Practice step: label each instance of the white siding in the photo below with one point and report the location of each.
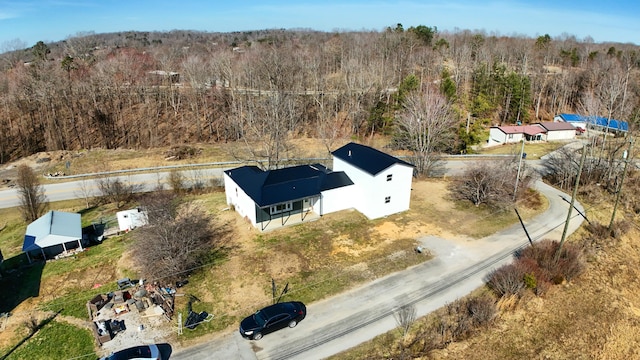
(243, 204)
(131, 219)
(561, 135)
(369, 193)
(335, 200)
(497, 136)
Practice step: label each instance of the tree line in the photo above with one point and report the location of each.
(433, 92)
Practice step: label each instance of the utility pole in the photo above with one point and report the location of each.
(515, 191)
(573, 199)
(627, 155)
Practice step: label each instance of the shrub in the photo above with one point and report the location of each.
(482, 309)
(530, 281)
(507, 280)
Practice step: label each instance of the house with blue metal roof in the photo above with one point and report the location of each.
(363, 178)
(53, 233)
(593, 122)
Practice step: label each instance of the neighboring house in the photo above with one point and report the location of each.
(578, 121)
(558, 131)
(610, 125)
(514, 134)
(594, 122)
(161, 77)
(53, 233)
(382, 182)
(370, 181)
(267, 197)
(131, 219)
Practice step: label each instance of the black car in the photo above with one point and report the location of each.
(272, 318)
(136, 352)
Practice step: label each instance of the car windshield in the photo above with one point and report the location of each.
(260, 319)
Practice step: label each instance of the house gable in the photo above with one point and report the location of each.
(367, 159)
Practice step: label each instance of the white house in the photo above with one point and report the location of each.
(365, 179)
(514, 134)
(268, 197)
(53, 233)
(558, 131)
(131, 219)
(382, 182)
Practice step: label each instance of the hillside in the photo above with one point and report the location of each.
(142, 90)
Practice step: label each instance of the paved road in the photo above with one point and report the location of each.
(343, 321)
(66, 190)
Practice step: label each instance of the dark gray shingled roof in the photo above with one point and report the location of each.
(366, 158)
(272, 187)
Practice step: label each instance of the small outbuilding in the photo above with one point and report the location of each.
(53, 233)
(131, 219)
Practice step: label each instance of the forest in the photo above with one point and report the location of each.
(430, 91)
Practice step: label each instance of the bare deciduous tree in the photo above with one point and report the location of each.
(85, 192)
(178, 238)
(492, 183)
(426, 127)
(176, 181)
(33, 202)
(116, 190)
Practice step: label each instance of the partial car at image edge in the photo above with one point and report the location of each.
(136, 352)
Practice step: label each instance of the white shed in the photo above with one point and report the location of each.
(131, 219)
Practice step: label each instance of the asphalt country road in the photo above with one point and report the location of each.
(75, 189)
(346, 320)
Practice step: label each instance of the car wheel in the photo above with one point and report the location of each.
(293, 323)
(257, 336)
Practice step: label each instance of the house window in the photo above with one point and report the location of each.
(510, 136)
(389, 177)
(280, 208)
(387, 199)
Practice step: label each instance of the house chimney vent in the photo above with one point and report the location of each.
(349, 153)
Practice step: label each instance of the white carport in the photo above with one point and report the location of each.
(53, 229)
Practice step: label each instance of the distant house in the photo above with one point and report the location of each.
(382, 183)
(558, 131)
(131, 219)
(610, 125)
(544, 131)
(578, 121)
(53, 233)
(161, 77)
(370, 181)
(593, 122)
(514, 134)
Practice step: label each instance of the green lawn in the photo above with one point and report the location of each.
(55, 340)
(534, 151)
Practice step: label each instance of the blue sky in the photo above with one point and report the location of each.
(52, 20)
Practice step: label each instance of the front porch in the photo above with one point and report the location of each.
(287, 220)
(286, 214)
